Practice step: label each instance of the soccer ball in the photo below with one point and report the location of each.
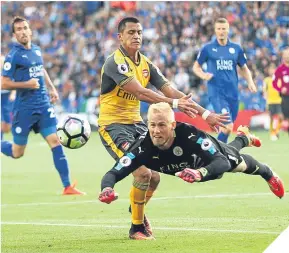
(73, 132)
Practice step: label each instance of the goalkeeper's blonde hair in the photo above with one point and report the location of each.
(162, 108)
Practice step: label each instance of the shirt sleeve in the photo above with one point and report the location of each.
(126, 165)
(119, 71)
(275, 80)
(9, 65)
(242, 58)
(202, 56)
(215, 163)
(157, 79)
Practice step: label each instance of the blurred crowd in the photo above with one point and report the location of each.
(76, 38)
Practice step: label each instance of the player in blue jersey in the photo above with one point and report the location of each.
(7, 98)
(222, 57)
(23, 70)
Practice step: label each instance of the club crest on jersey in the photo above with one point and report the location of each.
(286, 79)
(38, 52)
(145, 73)
(232, 50)
(7, 66)
(178, 151)
(122, 68)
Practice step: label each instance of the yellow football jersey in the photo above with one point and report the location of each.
(116, 104)
(273, 96)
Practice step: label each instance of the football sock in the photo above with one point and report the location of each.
(223, 137)
(149, 194)
(6, 148)
(61, 164)
(240, 142)
(271, 126)
(256, 168)
(278, 127)
(137, 201)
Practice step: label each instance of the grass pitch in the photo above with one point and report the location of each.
(237, 214)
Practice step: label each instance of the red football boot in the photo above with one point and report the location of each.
(253, 140)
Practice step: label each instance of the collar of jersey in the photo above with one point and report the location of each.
(217, 43)
(124, 52)
(24, 48)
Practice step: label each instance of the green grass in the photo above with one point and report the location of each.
(235, 214)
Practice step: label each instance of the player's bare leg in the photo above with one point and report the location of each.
(5, 128)
(18, 150)
(225, 132)
(61, 165)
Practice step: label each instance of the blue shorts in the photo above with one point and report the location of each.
(6, 108)
(42, 120)
(223, 104)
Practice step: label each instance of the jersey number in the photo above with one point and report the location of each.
(52, 113)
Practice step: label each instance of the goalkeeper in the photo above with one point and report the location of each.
(184, 151)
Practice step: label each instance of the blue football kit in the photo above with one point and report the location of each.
(6, 106)
(32, 108)
(222, 62)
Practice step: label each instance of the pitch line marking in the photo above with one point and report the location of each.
(157, 228)
(247, 195)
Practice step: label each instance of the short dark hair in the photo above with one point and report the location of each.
(17, 19)
(221, 21)
(122, 23)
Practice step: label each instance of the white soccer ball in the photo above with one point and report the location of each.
(73, 132)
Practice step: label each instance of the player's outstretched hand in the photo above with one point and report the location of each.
(189, 175)
(53, 96)
(108, 195)
(215, 120)
(33, 84)
(186, 105)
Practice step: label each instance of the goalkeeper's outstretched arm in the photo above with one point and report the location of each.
(113, 176)
(125, 166)
(214, 170)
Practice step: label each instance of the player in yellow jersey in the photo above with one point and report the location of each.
(273, 102)
(124, 78)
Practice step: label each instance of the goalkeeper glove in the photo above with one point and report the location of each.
(108, 195)
(189, 175)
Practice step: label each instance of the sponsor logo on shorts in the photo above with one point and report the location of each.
(18, 130)
(125, 146)
(7, 66)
